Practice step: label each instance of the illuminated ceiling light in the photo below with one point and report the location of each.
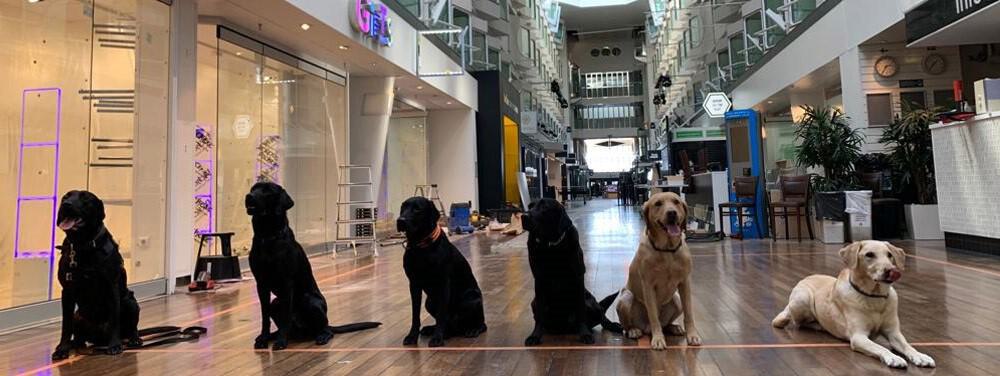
(448, 103)
(343, 47)
(420, 88)
(770, 102)
(34, 1)
(238, 53)
(305, 26)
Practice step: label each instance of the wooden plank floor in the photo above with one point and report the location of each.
(949, 304)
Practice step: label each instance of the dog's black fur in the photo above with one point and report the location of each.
(280, 266)
(97, 306)
(562, 304)
(435, 267)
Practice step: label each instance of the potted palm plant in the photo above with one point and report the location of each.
(826, 140)
(908, 141)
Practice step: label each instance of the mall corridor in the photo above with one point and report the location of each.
(738, 287)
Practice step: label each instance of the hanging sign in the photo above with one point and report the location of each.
(717, 104)
(371, 18)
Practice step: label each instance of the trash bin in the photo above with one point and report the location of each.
(858, 206)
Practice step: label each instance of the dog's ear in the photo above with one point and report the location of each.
(850, 254)
(645, 211)
(898, 256)
(684, 215)
(285, 201)
(564, 222)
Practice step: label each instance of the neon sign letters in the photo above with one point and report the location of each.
(371, 18)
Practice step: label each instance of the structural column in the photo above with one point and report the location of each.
(371, 107)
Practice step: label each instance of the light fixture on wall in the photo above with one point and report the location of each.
(305, 26)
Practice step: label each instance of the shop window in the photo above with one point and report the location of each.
(524, 41)
(493, 59)
(879, 110)
(85, 103)
(697, 32)
(723, 60)
(800, 9)
(916, 99)
(737, 55)
(268, 121)
(773, 9)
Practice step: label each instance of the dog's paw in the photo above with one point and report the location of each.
(410, 339)
(587, 339)
(279, 344)
(921, 360)
(673, 330)
(428, 330)
(533, 340)
(658, 342)
(893, 360)
(62, 351)
(634, 333)
(436, 341)
(261, 341)
(694, 340)
(473, 333)
(134, 343)
(114, 349)
(324, 338)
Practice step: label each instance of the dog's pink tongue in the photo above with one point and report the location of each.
(674, 230)
(894, 275)
(68, 224)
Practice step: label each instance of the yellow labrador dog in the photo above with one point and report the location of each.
(858, 305)
(659, 278)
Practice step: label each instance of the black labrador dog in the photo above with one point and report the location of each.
(97, 306)
(562, 304)
(435, 267)
(281, 267)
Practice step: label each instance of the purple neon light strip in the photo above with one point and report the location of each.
(55, 180)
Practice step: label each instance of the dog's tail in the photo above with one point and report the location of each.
(353, 327)
(605, 322)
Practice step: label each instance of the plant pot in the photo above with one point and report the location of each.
(922, 222)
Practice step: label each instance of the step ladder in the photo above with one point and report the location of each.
(357, 216)
(430, 191)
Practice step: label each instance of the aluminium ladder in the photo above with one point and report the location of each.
(430, 191)
(353, 213)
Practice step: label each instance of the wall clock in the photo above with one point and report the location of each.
(934, 64)
(886, 66)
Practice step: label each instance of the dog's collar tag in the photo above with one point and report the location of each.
(868, 294)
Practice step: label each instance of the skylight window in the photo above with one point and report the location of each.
(596, 3)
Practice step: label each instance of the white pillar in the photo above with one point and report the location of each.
(855, 105)
(451, 149)
(371, 107)
(180, 136)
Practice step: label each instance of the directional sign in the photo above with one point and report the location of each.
(717, 104)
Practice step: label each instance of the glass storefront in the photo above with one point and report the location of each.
(84, 105)
(264, 115)
(405, 161)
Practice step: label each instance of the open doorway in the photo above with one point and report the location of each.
(511, 159)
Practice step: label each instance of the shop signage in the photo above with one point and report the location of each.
(242, 126)
(371, 18)
(933, 15)
(717, 104)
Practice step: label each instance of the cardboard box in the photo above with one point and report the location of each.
(987, 93)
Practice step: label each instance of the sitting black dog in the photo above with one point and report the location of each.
(562, 304)
(97, 306)
(434, 266)
(280, 266)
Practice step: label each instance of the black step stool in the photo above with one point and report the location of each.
(220, 267)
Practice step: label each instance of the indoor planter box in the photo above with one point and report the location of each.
(922, 222)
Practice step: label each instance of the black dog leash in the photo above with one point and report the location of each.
(164, 335)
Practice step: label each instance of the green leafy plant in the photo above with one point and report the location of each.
(827, 140)
(908, 141)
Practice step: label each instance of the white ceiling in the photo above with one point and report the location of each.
(598, 18)
(278, 23)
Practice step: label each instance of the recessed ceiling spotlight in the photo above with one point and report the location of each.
(238, 53)
(343, 47)
(34, 1)
(448, 103)
(420, 88)
(305, 26)
(770, 102)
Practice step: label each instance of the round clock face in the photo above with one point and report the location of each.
(935, 64)
(886, 66)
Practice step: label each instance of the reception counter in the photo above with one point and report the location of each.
(967, 173)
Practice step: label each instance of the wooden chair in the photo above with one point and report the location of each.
(746, 198)
(794, 202)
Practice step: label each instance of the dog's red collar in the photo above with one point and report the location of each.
(430, 239)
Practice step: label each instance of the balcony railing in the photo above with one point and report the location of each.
(628, 115)
(608, 84)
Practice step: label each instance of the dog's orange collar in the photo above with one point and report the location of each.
(433, 237)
